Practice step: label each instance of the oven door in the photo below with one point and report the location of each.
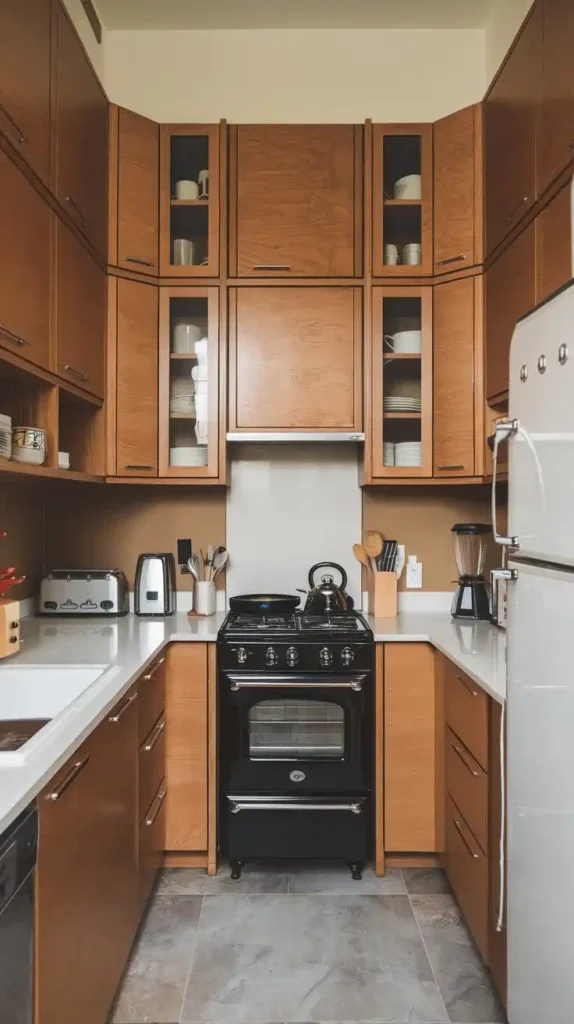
(295, 733)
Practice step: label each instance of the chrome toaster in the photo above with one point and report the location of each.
(84, 592)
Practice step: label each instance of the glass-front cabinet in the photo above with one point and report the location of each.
(402, 200)
(402, 415)
(189, 382)
(189, 200)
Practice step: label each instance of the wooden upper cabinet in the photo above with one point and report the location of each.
(555, 142)
(554, 244)
(458, 207)
(80, 313)
(25, 80)
(454, 378)
(189, 200)
(295, 359)
(296, 201)
(81, 137)
(510, 113)
(402, 218)
(135, 241)
(136, 379)
(24, 267)
(510, 293)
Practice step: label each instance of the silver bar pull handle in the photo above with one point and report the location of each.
(154, 736)
(20, 137)
(449, 468)
(263, 805)
(237, 683)
(271, 266)
(132, 466)
(499, 574)
(77, 373)
(71, 202)
(154, 669)
(516, 209)
(75, 770)
(452, 259)
(458, 828)
(156, 806)
(126, 704)
(14, 337)
(459, 751)
(467, 686)
(505, 429)
(135, 259)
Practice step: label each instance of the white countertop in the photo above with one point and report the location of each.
(127, 645)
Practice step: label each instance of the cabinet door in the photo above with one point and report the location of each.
(454, 378)
(457, 180)
(297, 202)
(138, 183)
(189, 200)
(186, 773)
(510, 293)
(510, 134)
(137, 379)
(467, 869)
(555, 140)
(80, 313)
(24, 267)
(81, 137)
(25, 80)
(295, 359)
(554, 244)
(412, 754)
(402, 200)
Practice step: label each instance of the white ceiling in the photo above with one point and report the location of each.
(238, 14)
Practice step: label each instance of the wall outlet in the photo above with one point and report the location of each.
(414, 573)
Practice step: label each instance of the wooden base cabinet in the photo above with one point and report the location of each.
(187, 758)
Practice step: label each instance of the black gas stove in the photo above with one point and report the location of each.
(296, 641)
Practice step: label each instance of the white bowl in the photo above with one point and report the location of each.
(188, 456)
(30, 456)
(408, 187)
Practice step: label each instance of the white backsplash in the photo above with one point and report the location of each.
(288, 507)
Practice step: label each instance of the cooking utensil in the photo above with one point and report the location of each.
(219, 562)
(326, 598)
(264, 604)
(192, 568)
(361, 555)
(373, 545)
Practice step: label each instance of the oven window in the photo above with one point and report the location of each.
(296, 729)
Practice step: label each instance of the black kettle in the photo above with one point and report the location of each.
(325, 598)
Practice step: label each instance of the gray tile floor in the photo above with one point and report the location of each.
(305, 944)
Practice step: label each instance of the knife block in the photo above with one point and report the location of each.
(383, 594)
(9, 627)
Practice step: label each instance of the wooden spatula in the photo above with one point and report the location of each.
(373, 544)
(361, 555)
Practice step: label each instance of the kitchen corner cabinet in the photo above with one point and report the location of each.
(80, 313)
(296, 201)
(25, 266)
(189, 200)
(458, 207)
(136, 309)
(189, 383)
(186, 752)
(25, 81)
(81, 112)
(456, 375)
(510, 116)
(135, 243)
(87, 874)
(402, 383)
(402, 200)
(553, 228)
(509, 293)
(555, 140)
(295, 358)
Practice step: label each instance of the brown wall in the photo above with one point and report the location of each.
(421, 518)
(22, 517)
(108, 527)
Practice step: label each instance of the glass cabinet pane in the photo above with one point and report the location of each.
(288, 729)
(402, 201)
(190, 380)
(189, 200)
(402, 368)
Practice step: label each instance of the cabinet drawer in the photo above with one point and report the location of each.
(466, 709)
(152, 696)
(152, 843)
(467, 784)
(467, 870)
(151, 764)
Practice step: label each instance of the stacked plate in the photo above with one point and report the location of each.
(388, 453)
(408, 453)
(401, 403)
(188, 456)
(182, 396)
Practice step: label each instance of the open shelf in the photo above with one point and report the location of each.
(183, 355)
(399, 356)
(189, 202)
(9, 468)
(182, 416)
(402, 202)
(402, 415)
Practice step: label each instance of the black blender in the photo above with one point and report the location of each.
(472, 597)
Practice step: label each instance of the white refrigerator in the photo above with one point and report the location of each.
(540, 695)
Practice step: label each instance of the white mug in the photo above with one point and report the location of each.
(391, 255)
(205, 598)
(411, 254)
(185, 335)
(186, 189)
(183, 252)
(405, 342)
(204, 184)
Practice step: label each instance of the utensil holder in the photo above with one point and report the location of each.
(382, 591)
(205, 598)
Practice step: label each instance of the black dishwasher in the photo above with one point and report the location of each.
(18, 848)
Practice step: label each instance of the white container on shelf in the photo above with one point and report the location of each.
(5, 436)
(188, 456)
(185, 336)
(63, 460)
(29, 445)
(408, 187)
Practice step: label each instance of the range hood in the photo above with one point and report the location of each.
(296, 436)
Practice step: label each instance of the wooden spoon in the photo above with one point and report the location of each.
(361, 555)
(373, 546)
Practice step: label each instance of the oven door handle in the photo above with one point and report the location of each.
(236, 806)
(290, 683)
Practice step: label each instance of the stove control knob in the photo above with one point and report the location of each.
(271, 657)
(292, 656)
(347, 656)
(241, 655)
(325, 657)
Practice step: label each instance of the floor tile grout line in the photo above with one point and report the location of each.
(438, 988)
(191, 959)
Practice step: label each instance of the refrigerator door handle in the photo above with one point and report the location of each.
(502, 834)
(505, 429)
